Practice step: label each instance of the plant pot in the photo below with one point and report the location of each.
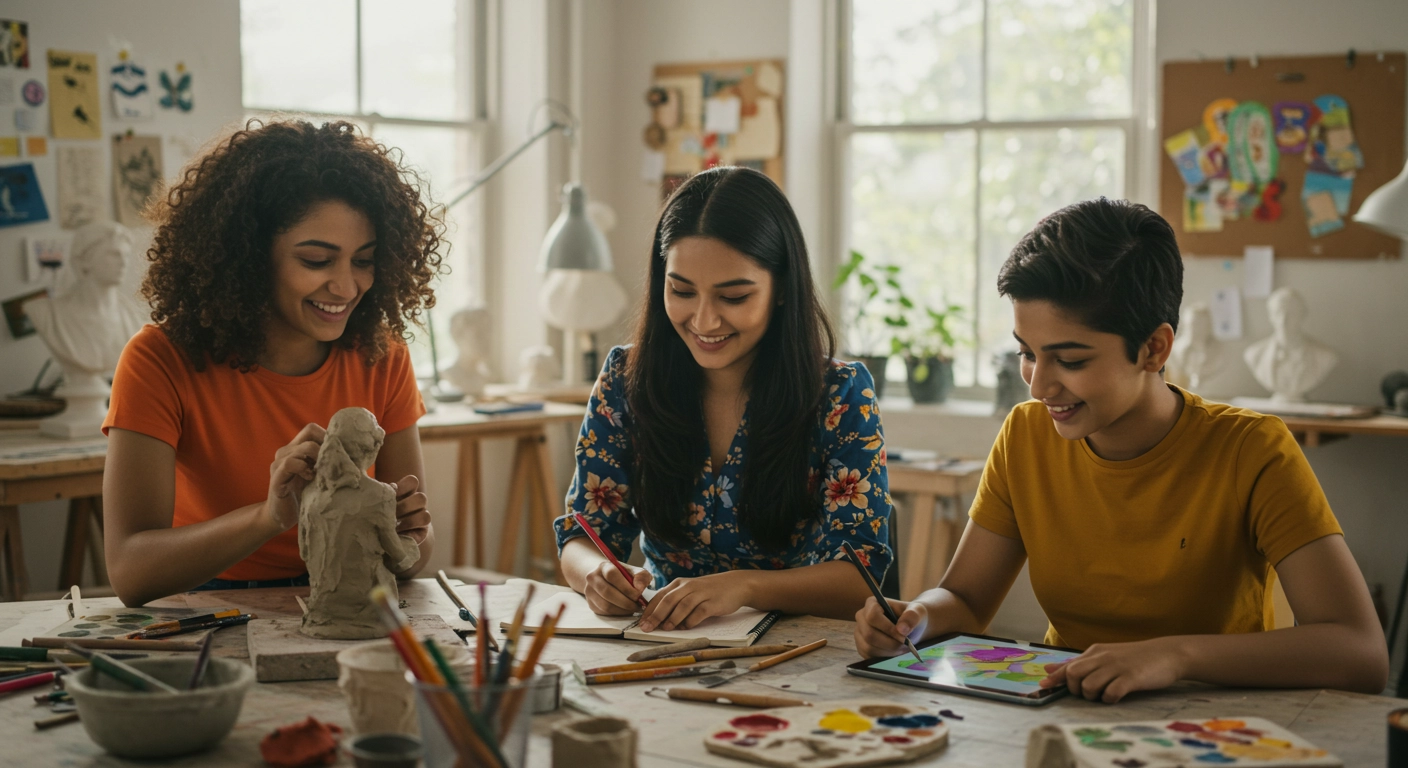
(876, 365)
(930, 378)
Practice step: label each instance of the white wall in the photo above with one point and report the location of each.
(161, 33)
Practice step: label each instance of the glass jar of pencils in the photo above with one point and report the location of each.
(472, 726)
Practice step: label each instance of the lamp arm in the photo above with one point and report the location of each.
(498, 165)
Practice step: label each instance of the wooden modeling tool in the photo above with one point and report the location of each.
(465, 613)
(111, 645)
(673, 649)
(673, 661)
(719, 679)
(756, 700)
(606, 552)
(119, 671)
(50, 722)
(879, 596)
(201, 661)
(661, 674)
(712, 654)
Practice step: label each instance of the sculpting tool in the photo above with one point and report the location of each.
(220, 623)
(713, 654)
(27, 681)
(673, 661)
(606, 552)
(201, 661)
(115, 644)
(879, 596)
(661, 674)
(50, 722)
(724, 677)
(672, 649)
(119, 671)
(757, 700)
(465, 613)
(163, 627)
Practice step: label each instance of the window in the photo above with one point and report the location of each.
(412, 80)
(963, 122)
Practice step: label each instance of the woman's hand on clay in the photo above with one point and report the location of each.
(608, 593)
(876, 635)
(1109, 672)
(685, 602)
(291, 471)
(412, 518)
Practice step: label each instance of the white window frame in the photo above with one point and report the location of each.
(1138, 130)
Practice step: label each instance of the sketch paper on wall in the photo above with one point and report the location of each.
(74, 110)
(14, 44)
(136, 176)
(131, 98)
(80, 188)
(178, 90)
(20, 199)
(43, 254)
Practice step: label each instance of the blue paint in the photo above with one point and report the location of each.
(1215, 757)
(910, 721)
(1195, 744)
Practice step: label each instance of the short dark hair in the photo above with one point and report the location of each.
(1113, 264)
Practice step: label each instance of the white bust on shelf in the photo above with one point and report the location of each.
(86, 326)
(537, 368)
(1288, 362)
(469, 371)
(1195, 352)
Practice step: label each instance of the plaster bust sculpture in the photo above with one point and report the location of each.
(1195, 352)
(1288, 362)
(469, 371)
(86, 326)
(347, 532)
(537, 368)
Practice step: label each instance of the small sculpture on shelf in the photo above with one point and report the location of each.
(1196, 354)
(469, 371)
(537, 368)
(1288, 362)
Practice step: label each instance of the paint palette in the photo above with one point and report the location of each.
(118, 624)
(1233, 741)
(830, 734)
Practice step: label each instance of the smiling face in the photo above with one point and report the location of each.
(1083, 376)
(322, 266)
(719, 301)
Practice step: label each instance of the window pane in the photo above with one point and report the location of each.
(1059, 58)
(911, 205)
(409, 67)
(443, 157)
(916, 61)
(299, 55)
(1026, 175)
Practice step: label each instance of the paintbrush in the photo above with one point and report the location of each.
(161, 628)
(724, 677)
(673, 661)
(756, 700)
(114, 644)
(465, 613)
(201, 661)
(879, 596)
(215, 623)
(660, 674)
(672, 649)
(714, 654)
(123, 672)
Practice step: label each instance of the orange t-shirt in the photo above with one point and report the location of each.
(226, 425)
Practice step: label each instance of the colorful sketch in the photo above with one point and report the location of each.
(21, 202)
(178, 90)
(1167, 743)
(131, 99)
(1007, 667)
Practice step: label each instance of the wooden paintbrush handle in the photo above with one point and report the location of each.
(656, 674)
(760, 701)
(673, 649)
(112, 645)
(792, 654)
(738, 653)
(673, 661)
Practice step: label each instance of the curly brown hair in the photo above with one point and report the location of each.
(209, 283)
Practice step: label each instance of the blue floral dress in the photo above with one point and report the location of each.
(847, 468)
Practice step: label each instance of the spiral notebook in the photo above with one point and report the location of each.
(742, 627)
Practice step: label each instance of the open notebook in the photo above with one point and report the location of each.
(742, 627)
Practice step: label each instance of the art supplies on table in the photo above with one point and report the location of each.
(105, 644)
(879, 596)
(605, 551)
(771, 661)
(831, 734)
(974, 665)
(124, 624)
(755, 700)
(740, 628)
(665, 673)
(1230, 741)
(211, 621)
(465, 613)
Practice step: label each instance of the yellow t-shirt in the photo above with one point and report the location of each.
(1179, 541)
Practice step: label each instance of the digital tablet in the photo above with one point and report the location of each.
(974, 665)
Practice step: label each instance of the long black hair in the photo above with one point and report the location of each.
(748, 212)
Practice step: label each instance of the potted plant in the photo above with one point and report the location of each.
(879, 305)
(928, 352)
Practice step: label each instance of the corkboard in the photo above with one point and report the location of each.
(1375, 92)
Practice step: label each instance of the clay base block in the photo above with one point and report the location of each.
(280, 652)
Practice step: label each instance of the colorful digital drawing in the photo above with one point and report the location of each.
(1008, 667)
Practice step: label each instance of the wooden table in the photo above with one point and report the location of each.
(531, 479)
(1315, 432)
(935, 532)
(671, 732)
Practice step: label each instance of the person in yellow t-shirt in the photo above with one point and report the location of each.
(1153, 519)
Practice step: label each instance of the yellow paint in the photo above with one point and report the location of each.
(1034, 668)
(990, 666)
(1273, 743)
(845, 721)
(1259, 751)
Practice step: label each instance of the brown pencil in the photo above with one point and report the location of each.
(673, 661)
(114, 644)
(710, 654)
(658, 674)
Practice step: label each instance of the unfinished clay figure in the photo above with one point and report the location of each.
(347, 532)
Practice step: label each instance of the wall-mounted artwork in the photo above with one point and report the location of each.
(74, 106)
(136, 175)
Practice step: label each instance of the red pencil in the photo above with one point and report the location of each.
(606, 552)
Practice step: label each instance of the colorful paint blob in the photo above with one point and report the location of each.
(911, 721)
(1215, 758)
(898, 740)
(726, 735)
(884, 711)
(1160, 742)
(1183, 727)
(1001, 653)
(1224, 725)
(846, 721)
(1196, 744)
(759, 723)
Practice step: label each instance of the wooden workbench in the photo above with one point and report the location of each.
(991, 734)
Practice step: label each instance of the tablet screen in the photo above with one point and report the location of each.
(995, 665)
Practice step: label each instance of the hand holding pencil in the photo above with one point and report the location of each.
(612, 588)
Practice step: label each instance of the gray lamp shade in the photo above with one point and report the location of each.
(573, 241)
(1386, 209)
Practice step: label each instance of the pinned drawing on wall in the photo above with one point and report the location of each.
(25, 120)
(1293, 121)
(14, 44)
(43, 254)
(1332, 148)
(1326, 200)
(131, 99)
(74, 108)
(36, 146)
(21, 202)
(178, 94)
(33, 93)
(136, 175)
(9, 146)
(80, 188)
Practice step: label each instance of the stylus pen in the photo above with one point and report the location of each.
(879, 597)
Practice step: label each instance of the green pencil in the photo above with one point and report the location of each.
(452, 681)
(119, 671)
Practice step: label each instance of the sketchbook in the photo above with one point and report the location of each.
(740, 628)
(1168, 743)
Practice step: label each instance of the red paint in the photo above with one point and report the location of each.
(1183, 727)
(898, 740)
(758, 723)
(921, 732)
(726, 735)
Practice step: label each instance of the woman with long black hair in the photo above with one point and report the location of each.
(726, 432)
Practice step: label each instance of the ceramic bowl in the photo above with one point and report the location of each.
(145, 725)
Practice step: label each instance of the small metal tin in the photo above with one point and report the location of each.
(547, 689)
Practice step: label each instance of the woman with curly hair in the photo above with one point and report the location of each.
(285, 265)
(727, 433)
